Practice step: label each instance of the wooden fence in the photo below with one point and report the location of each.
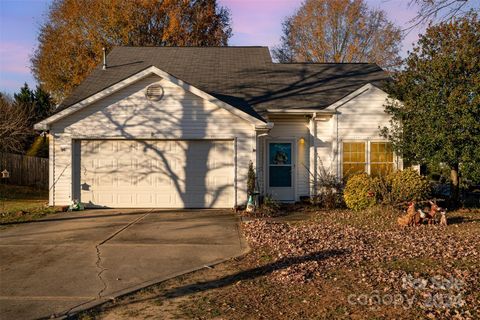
(25, 170)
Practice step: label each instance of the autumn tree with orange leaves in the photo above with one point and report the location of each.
(339, 31)
(71, 39)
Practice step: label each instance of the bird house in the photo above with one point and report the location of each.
(5, 174)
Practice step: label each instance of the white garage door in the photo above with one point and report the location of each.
(162, 174)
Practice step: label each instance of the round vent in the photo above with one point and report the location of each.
(154, 92)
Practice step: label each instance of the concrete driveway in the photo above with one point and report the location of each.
(75, 260)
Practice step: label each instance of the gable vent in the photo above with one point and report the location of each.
(154, 92)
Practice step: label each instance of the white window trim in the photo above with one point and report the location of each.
(368, 142)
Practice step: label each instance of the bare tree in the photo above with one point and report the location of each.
(14, 125)
(339, 31)
(439, 10)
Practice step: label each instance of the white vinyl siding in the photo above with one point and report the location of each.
(128, 114)
(324, 141)
(357, 120)
(361, 117)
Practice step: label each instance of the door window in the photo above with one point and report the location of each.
(280, 164)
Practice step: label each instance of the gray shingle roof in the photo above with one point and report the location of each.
(243, 77)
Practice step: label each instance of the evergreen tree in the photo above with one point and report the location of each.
(438, 119)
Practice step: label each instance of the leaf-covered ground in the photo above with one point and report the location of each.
(324, 265)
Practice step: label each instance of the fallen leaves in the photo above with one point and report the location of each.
(307, 252)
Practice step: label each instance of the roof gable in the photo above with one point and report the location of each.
(208, 68)
(134, 78)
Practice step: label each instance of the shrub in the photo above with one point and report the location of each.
(329, 189)
(360, 192)
(251, 179)
(270, 205)
(363, 191)
(383, 189)
(408, 185)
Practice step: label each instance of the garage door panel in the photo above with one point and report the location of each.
(124, 181)
(124, 198)
(196, 173)
(144, 180)
(104, 197)
(146, 199)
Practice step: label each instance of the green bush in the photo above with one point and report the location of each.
(360, 192)
(408, 185)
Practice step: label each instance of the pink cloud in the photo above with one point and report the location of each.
(12, 85)
(259, 22)
(15, 57)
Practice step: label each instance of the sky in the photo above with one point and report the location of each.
(255, 22)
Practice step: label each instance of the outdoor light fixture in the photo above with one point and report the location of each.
(301, 140)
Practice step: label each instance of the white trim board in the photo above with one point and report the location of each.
(334, 106)
(45, 124)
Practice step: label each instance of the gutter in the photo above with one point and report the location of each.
(312, 112)
(266, 126)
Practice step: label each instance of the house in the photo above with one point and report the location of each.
(176, 127)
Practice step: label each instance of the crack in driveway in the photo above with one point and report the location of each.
(99, 254)
(102, 269)
(98, 263)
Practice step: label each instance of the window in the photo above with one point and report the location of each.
(373, 157)
(353, 158)
(280, 164)
(381, 158)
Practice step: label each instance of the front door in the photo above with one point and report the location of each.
(281, 164)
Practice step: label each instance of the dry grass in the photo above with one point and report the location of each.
(20, 204)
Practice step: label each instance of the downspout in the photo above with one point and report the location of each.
(53, 169)
(261, 163)
(313, 130)
(337, 143)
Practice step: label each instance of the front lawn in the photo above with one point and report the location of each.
(18, 204)
(328, 265)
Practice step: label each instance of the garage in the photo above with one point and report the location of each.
(156, 173)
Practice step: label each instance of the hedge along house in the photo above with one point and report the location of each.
(176, 127)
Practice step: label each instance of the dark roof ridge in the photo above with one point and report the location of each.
(206, 47)
(319, 63)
